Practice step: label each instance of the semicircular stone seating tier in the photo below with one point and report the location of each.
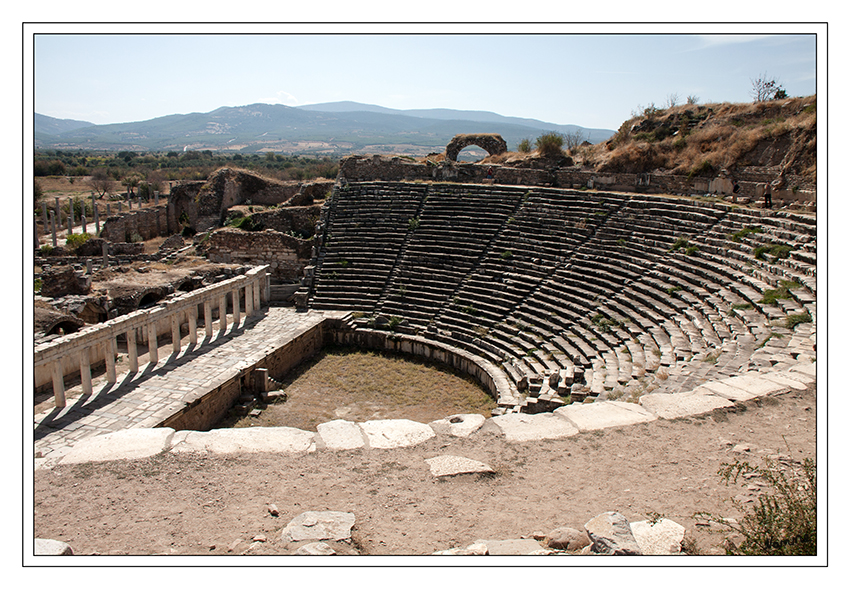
(575, 295)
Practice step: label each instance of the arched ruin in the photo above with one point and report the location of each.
(492, 143)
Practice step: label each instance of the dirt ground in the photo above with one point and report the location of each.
(216, 505)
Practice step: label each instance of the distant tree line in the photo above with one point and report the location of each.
(134, 169)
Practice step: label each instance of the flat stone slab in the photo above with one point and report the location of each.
(315, 526)
(128, 444)
(661, 537)
(45, 547)
(800, 384)
(673, 405)
(524, 427)
(395, 433)
(340, 435)
(604, 414)
(755, 384)
(445, 466)
(808, 368)
(461, 426)
(246, 439)
(721, 389)
(518, 547)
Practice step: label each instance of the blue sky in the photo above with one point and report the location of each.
(593, 80)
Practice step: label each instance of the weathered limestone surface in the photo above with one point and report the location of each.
(45, 547)
(517, 547)
(395, 433)
(611, 534)
(522, 427)
(253, 439)
(661, 537)
(673, 405)
(340, 435)
(567, 538)
(461, 426)
(604, 414)
(319, 525)
(127, 444)
(446, 465)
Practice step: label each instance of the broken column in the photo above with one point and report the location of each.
(53, 228)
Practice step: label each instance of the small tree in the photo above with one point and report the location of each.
(672, 100)
(765, 89)
(524, 146)
(101, 182)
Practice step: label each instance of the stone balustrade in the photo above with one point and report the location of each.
(77, 352)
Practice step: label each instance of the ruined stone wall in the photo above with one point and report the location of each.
(366, 168)
(301, 220)
(181, 202)
(285, 255)
(146, 223)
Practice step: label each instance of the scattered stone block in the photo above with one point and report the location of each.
(129, 444)
(674, 405)
(340, 435)
(566, 538)
(521, 546)
(461, 426)
(316, 549)
(661, 537)
(605, 414)
(445, 466)
(396, 433)
(611, 534)
(755, 384)
(471, 550)
(722, 389)
(316, 526)
(246, 439)
(45, 547)
(521, 427)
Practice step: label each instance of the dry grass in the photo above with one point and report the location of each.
(701, 139)
(359, 386)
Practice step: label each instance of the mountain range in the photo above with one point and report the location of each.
(333, 128)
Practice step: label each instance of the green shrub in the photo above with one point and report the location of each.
(738, 236)
(524, 146)
(793, 321)
(413, 223)
(507, 255)
(550, 144)
(45, 250)
(771, 296)
(37, 284)
(784, 521)
(243, 223)
(75, 240)
(776, 250)
(680, 243)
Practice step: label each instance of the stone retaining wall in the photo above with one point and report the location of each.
(205, 411)
(366, 168)
(146, 223)
(285, 255)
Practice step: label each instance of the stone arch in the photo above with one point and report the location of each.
(492, 143)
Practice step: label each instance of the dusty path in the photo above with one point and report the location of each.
(192, 505)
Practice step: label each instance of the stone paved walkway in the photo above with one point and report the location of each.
(146, 398)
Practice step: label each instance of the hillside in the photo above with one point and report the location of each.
(774, 137)
(344, 129)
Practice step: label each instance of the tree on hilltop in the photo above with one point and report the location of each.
(765, 89)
